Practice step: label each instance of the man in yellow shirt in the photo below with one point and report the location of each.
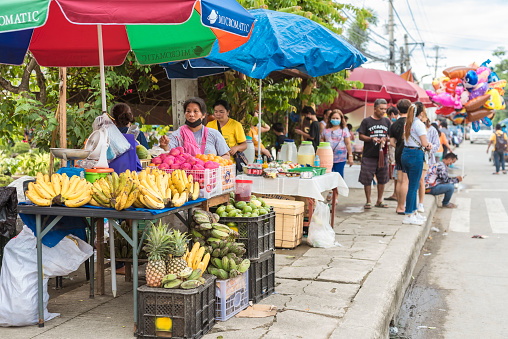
(499, 140)
(231, 130)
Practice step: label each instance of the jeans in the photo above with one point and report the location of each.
(339, 167)
(412, 164)
(446, 189)
(499, 159)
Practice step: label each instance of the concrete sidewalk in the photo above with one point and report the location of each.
(350, 291)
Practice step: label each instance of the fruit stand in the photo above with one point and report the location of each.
(97, 213)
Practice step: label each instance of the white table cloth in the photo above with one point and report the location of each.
(310, 188)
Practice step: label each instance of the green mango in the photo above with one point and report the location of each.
(231, 224)
(247, 209)
(262, 202)
(221, 209)
(230, 207)
(240, 205)
(253, 197)
(262, 211)
(223, 214)
(232, 213)
(247, 215)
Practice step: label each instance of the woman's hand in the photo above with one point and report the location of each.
(428, 147)
(350, 160)
(164, 142)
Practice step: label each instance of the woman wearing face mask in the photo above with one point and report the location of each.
(193, 136)
(231, 130)
(337, 134)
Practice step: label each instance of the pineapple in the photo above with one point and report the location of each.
(177, 248)
(157, 248)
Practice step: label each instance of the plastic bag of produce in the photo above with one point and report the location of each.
(18, 277)
(8, 210)
(118, 145)
(321, 234)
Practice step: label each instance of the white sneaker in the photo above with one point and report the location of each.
(412, 220)
(420, 208)
(420, 217)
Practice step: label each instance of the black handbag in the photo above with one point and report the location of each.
(239, 156)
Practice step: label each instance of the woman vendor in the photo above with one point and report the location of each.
(231, 130)
(123, 116)
(193, 136)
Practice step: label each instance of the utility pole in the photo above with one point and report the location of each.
(402, 60)
(390, 36)
(406, 60)
(437, 58)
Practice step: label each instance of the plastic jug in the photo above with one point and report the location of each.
(306, 153)
(291, 153)
(325, 153)
(250, 152)
(243, 190)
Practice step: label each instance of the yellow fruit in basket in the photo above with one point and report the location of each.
(163, 324)
(195, 193)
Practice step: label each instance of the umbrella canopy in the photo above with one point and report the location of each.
(378, 84)
(193, 69)
(421, 95)
(63, 33)
(282, 40)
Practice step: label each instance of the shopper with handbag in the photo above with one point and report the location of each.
(415, 147)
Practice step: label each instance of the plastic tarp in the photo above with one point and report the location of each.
(8, 210)
(284, 41)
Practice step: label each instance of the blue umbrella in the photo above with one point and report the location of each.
(193, 69)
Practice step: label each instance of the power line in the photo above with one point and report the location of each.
(398, 17)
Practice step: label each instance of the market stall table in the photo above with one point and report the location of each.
(309, 188)
(99, 213)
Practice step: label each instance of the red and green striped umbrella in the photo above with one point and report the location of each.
(63, 33)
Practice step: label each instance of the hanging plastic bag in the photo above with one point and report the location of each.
(117, 142)
(8, 210)
(18, 277)
(321, 234)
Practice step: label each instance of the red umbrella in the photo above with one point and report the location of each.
(379, 84)
(422, 95)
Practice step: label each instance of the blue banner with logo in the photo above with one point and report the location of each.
(226, 15)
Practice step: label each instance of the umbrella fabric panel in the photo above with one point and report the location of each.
(226, 15)
(281, 40)
(422, 95)
(376, 80)
(13, 46)
(18, 15)
(192, 69)
(162, 43)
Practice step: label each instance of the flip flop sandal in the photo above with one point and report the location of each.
(381, 205)
(391, 199)
(401, 213)
(450, 205)
(367, 206)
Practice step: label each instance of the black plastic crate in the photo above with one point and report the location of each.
(192, 312)
(262, 277)
(258, 233)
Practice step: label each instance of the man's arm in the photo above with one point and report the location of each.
(442, 174)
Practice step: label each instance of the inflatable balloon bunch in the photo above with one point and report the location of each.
(469, 94)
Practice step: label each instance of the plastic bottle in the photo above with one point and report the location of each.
(317, 162)
(250, 152)
(291, 151)
(134, 130)
(306, 153)
(325, 153)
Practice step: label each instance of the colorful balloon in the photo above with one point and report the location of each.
(445, 111)
(476, 103)
(464, 97)
(495, 100)
(499, 86)
(445, 99)
(483, 74)
(493, 77)
(486, 121)
(457, 71)
(478, 90)
(475, 126)
(452, 85)
(471, 79)
(477, 115)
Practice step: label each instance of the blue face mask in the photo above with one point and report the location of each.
(335, 122)
(394, 119)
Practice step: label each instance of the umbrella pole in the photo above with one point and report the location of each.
(101, 64)
(260, 158)
(365, 106)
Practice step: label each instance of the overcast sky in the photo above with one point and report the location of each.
(465, 31)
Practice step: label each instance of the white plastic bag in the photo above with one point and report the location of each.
(118, 144)
(321, 234)
(18, 277)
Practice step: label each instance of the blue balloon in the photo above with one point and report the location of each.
(487, 122)
(476, 126)
(471, 79)
(493, 77)
(485, 63)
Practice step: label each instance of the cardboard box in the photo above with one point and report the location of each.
(288, 222)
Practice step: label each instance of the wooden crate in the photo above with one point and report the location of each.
(288, 222)
(287, 197)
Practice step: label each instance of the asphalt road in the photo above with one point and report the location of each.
(460, 286)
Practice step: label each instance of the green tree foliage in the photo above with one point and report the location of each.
(501, 69)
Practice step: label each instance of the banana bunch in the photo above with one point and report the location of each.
(59, 190)
(197, 258)
(115, 191)
(159, 189)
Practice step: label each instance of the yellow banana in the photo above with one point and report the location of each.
(185, 180)
(75, 180)
(65, 181)
(99, 196)
(195, 193)
(46, 178)
(152, 203)
(47, 187)
(82, 187)
(131, 198)
(105, 187)
(121, 200)
(150, 180)
(121, 184)
(198, 257)
(128, 173)
(180, 186)
(40, 191)
(138, 204)
(159, 185)
(93, 202)
(168, 193)
(154, 194)
(36, 199)
(82, 200)
(55, 182)
(142, 175)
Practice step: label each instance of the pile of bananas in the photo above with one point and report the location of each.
(59, 190)
(159, 189)
(197, 258)
(115, 191)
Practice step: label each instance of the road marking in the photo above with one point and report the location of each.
(497, 215)
(459, 221)
(485, 190)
